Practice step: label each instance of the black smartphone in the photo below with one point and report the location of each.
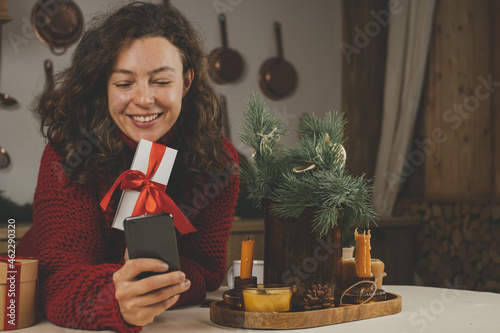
(152, 236)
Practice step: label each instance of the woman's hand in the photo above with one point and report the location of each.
(141, 301)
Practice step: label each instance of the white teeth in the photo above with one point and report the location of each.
(143, 119)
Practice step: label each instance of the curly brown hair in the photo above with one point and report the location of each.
(76, 108)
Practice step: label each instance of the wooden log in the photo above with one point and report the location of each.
(427, 214)
(470, 283)
(486, 239)
(457, 266)
(448, 212)
(495, 233)
(484, 229)
(439, 225)
(495, 255)
(495, 211)
(472, 254)
(457, 238)
(492, 285)
(444, 249)
(462, 251)
(436, 210)
(425, 248)
(485, 258)
(471, 235)
(476, 270)
(465, 221)
(485, 213)
(448, 229)
(494, 269)
(475, 209)
(474, 224)
(457, 210)
(444, 272)
(466, 209)
(434, 261)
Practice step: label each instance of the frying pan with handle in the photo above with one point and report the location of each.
(4, 158)
(57, 23)
(49, 74)
(225, 65)
(277, 77)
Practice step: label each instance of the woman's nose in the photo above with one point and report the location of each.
(144, 96)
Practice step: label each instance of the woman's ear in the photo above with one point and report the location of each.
(188, 79)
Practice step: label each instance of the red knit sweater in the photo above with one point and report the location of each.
(79, 251)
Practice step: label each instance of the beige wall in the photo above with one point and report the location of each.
(311, 37)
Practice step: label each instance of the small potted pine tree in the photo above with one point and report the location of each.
(312, 204)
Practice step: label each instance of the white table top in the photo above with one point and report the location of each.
(425, 309)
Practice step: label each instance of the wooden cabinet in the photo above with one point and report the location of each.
(393, 242)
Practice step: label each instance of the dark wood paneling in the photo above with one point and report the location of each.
(458, 103)
(363, 73)
(495, 111)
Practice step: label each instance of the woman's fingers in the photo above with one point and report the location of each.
(146, 315)
(138, 288)
(141, 300)
(134, 267)
(163, 294)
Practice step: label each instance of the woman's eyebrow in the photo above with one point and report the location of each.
(154, 71)
(162, 69)
(121, 71)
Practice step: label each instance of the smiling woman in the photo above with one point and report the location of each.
(146, 88)
(137, 73)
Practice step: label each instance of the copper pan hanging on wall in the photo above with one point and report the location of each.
(277, 77)
(225, 65)
(57, 24)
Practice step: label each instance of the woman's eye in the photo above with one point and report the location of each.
(162, 83)
(123, 85)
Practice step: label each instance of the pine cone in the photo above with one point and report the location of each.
(320, 297)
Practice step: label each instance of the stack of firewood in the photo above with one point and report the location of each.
(458, 244)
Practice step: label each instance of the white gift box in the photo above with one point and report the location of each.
(141, 162)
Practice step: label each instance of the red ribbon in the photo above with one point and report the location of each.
(12, 291)
(152, 198)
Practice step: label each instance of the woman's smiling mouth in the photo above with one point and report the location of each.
(145, 119)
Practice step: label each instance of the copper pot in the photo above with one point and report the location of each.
(57, 24)
(225, 65)
(277, 77)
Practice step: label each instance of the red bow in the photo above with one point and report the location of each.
(152, 198)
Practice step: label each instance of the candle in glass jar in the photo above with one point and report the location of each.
(363, 256)
(246, 259)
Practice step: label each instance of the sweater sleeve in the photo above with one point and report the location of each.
(203, 253)
(77, 289)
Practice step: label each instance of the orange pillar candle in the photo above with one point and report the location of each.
(363, 256)
(246, 259)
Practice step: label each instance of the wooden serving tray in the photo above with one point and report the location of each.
(221, 314)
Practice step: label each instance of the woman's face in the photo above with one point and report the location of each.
(146, 87)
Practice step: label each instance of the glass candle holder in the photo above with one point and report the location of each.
(267, 297)
(234, 297)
